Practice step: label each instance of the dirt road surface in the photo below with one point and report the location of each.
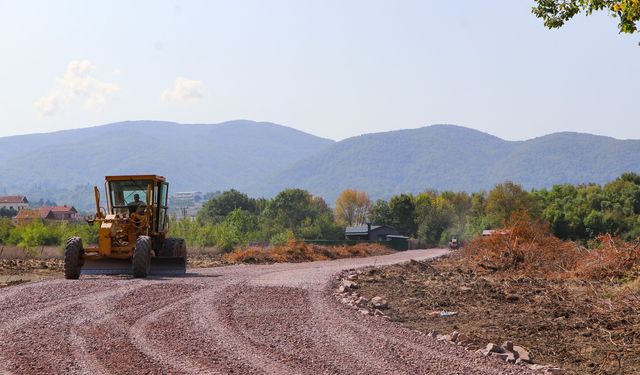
(274, 319)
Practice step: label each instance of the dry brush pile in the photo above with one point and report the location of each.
(527, 248)
(298, 251)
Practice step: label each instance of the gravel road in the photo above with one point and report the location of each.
(274, 319)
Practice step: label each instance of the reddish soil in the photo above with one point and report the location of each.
(585, 327)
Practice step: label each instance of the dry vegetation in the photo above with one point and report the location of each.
(571, 306)
(297, 251)
(528, 249)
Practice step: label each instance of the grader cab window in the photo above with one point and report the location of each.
(129, 197)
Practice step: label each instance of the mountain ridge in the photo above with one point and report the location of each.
(262, 158)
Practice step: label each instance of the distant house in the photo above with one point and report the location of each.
(372, 233)
(28, 215)
(14, 202)
(54, 213)
(62, 213)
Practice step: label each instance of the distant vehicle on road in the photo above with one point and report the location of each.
(454, 243)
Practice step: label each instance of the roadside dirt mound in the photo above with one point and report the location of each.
(570, 306)
(17, 271)
(296, 252)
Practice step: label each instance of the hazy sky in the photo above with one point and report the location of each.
(331, 68)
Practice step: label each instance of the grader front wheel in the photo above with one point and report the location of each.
(141, 261)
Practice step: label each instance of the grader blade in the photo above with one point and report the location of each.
(168, 266)
(160, 266)
(106, 266)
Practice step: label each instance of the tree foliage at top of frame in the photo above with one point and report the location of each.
(556, 12)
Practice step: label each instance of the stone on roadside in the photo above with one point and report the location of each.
(523, 354)
(443, 337)
(508, 346)
(377, 312)
(454, 336)
(348, 284)
(462, 339)
(493, 348)
(379, 302)
(362, 301)
(502, 356)
(555, 371)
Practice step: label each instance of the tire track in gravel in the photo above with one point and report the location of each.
(138, 333)
(296, 335)
(88, 363)
(243, 319)
(213, 319)
(97, 313)
(13, 331)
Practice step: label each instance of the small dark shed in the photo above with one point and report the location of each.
(370, 232)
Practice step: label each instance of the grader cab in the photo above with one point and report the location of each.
(132, 235)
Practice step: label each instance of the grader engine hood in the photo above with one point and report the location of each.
(106, 232)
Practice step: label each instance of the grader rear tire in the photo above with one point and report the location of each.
(174, 247)
(73, 252)
(181, 249)
(141, 261)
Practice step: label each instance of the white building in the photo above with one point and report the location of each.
(14, 202)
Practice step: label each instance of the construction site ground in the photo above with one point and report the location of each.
(247, 319)
(571, 324)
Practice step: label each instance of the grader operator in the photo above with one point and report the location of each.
(132, 238)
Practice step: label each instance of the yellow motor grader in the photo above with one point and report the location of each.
(132, 235)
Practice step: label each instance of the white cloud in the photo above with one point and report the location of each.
(184, 90)
(77, 83)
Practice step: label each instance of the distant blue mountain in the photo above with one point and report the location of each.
(449, 157)
(65, 165)
(262, 158)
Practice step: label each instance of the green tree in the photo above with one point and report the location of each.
(631, 177)
(403, 213)
(216, 209)
(476, 220)
(323, 227)
(6, 227)
(556, 12)
(8, 212)
(292, 206)
(381, 213)
(505, 199)
(461, 204)
(434, 216)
